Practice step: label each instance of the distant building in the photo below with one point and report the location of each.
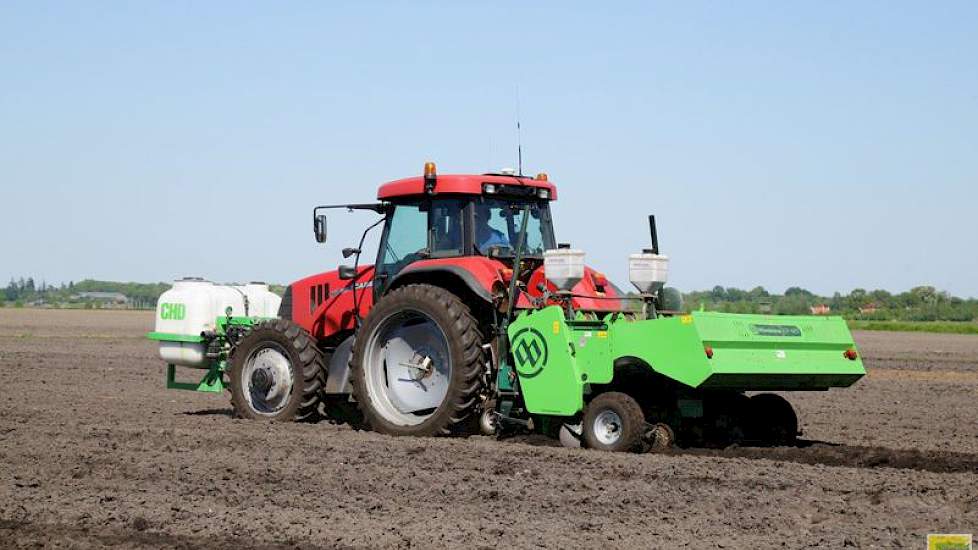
(868, 309)
(820, 309)
(103, 297)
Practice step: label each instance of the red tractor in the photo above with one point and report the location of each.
(472, 310)
(411, 339)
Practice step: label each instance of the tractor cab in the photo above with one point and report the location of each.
(461, 232)
(464, 229)
(452, 217)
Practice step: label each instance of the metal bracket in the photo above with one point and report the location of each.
(212, 382)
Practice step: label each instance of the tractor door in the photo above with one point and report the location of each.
(430, 228)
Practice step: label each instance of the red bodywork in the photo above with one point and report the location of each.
(323, 304)
(593, 293)
(465, 184)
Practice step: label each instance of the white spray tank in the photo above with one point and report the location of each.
(192, 308)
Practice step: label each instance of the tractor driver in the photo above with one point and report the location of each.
(485, 235)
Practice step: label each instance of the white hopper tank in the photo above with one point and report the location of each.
(564, 267)
(648, 271)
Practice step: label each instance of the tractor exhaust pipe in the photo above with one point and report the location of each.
(655, 234)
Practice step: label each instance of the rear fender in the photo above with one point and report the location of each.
(479, 276)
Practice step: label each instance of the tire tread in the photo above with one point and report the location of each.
(464, 390)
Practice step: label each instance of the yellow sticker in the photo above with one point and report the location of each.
(556, 327)
(950, 542)
(686, 319)
(602, 334)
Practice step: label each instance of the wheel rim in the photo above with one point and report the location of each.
(268, 377)
(407, 367)
(487, 422)
(607, 427)
(570, 435)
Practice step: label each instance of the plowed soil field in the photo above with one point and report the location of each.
(94, 452)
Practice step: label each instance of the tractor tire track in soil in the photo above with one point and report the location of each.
(849, 456)
(95, 453)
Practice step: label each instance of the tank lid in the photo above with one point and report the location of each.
(192, 281)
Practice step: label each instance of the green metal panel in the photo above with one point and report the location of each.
(542, 355)
(592, 344)
(669, 345)
(778, 352)
(750, 352)
(224, 322)
(172, 337)
(555, 358)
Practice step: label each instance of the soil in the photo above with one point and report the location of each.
(94, 452)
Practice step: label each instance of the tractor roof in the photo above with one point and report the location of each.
(465, 184)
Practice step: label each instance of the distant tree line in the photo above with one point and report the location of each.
(922, 303)
(27, 292)
(21, 292)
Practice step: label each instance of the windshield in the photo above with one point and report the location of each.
(497, 227)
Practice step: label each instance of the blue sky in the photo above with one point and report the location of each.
(830, 145)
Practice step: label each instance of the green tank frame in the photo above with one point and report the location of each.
(213, 379)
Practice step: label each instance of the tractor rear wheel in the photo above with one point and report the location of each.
(277, 373)
(417, 363)
(771, 420)
(614, 421)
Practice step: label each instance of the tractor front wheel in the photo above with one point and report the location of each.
(614, 421)
(277, 373)
(417, 363)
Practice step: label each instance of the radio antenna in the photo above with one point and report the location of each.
(519, 139)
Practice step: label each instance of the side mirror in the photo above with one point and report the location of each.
(319, 227)
(347, 273)
(347, 252)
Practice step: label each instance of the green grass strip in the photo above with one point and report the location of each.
(943, 327)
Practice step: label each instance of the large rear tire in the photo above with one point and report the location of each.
(417, 363)
(277, 373)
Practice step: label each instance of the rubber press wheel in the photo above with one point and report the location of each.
(417, 363)
(771, 420)
(277, 373)
(613, 421)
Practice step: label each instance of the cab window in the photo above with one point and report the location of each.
(406, 237)
(446, 228)
(498, 222)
